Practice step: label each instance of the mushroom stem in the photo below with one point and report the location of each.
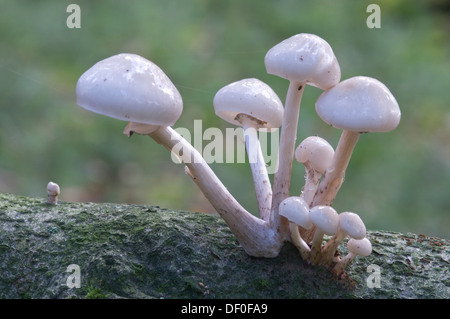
(288, 135)
(261, 179)
(312, 179)
(255, 235)
(334, 176)
(361, 247)
(297, 240)
(331, 246)
(342, 263)
(326, 220)
(316, 246)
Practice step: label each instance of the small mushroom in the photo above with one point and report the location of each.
(361, 247)
(356, 105)
(326, 220)
(53, 191)
(315, 154)
(302, 59)
(349, 224)
(296, 210)
(252, 104)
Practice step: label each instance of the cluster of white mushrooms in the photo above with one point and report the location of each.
(131, 88)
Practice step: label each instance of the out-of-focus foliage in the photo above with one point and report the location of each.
(396, 181)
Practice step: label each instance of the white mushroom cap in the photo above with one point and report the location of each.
(317, 151)
(296, 210)
(130, 88)
(304, 58)
(361, 247)
(352, 225)
(53, 189)
(325, 218)
(360, 104)
(251, 97)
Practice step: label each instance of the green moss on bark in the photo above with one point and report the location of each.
(135, 251)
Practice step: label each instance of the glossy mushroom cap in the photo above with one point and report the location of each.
(296, 210)
(352, 225)
(130, 88)
(53, 189)
(304, 58)
(360, 104)
(253, 98)
(315, 151)
(361, 247)
(325, 218)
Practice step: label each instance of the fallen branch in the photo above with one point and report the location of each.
(135, 251)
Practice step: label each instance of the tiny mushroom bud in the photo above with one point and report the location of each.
(252, 104)
(302, 59)
(356, 247)
(315, 154)
(296, 210)
(356, 105)
(129, 87)
(326, 220)
(53, 191)
(349, 224)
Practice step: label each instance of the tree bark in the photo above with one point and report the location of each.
(136, 251)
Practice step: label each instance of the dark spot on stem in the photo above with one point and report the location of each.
(300, 87)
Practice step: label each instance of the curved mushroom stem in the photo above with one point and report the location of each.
(261, 179)
(297, 240)
(288, 135)
(256, 236)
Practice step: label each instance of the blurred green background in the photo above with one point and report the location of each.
(397, 181)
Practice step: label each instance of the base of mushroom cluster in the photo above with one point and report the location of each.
(323, 221)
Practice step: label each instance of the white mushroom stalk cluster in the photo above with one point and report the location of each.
(131, 88)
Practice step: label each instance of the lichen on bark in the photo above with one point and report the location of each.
(138, 251)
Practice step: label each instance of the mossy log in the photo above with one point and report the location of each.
(135, 251)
